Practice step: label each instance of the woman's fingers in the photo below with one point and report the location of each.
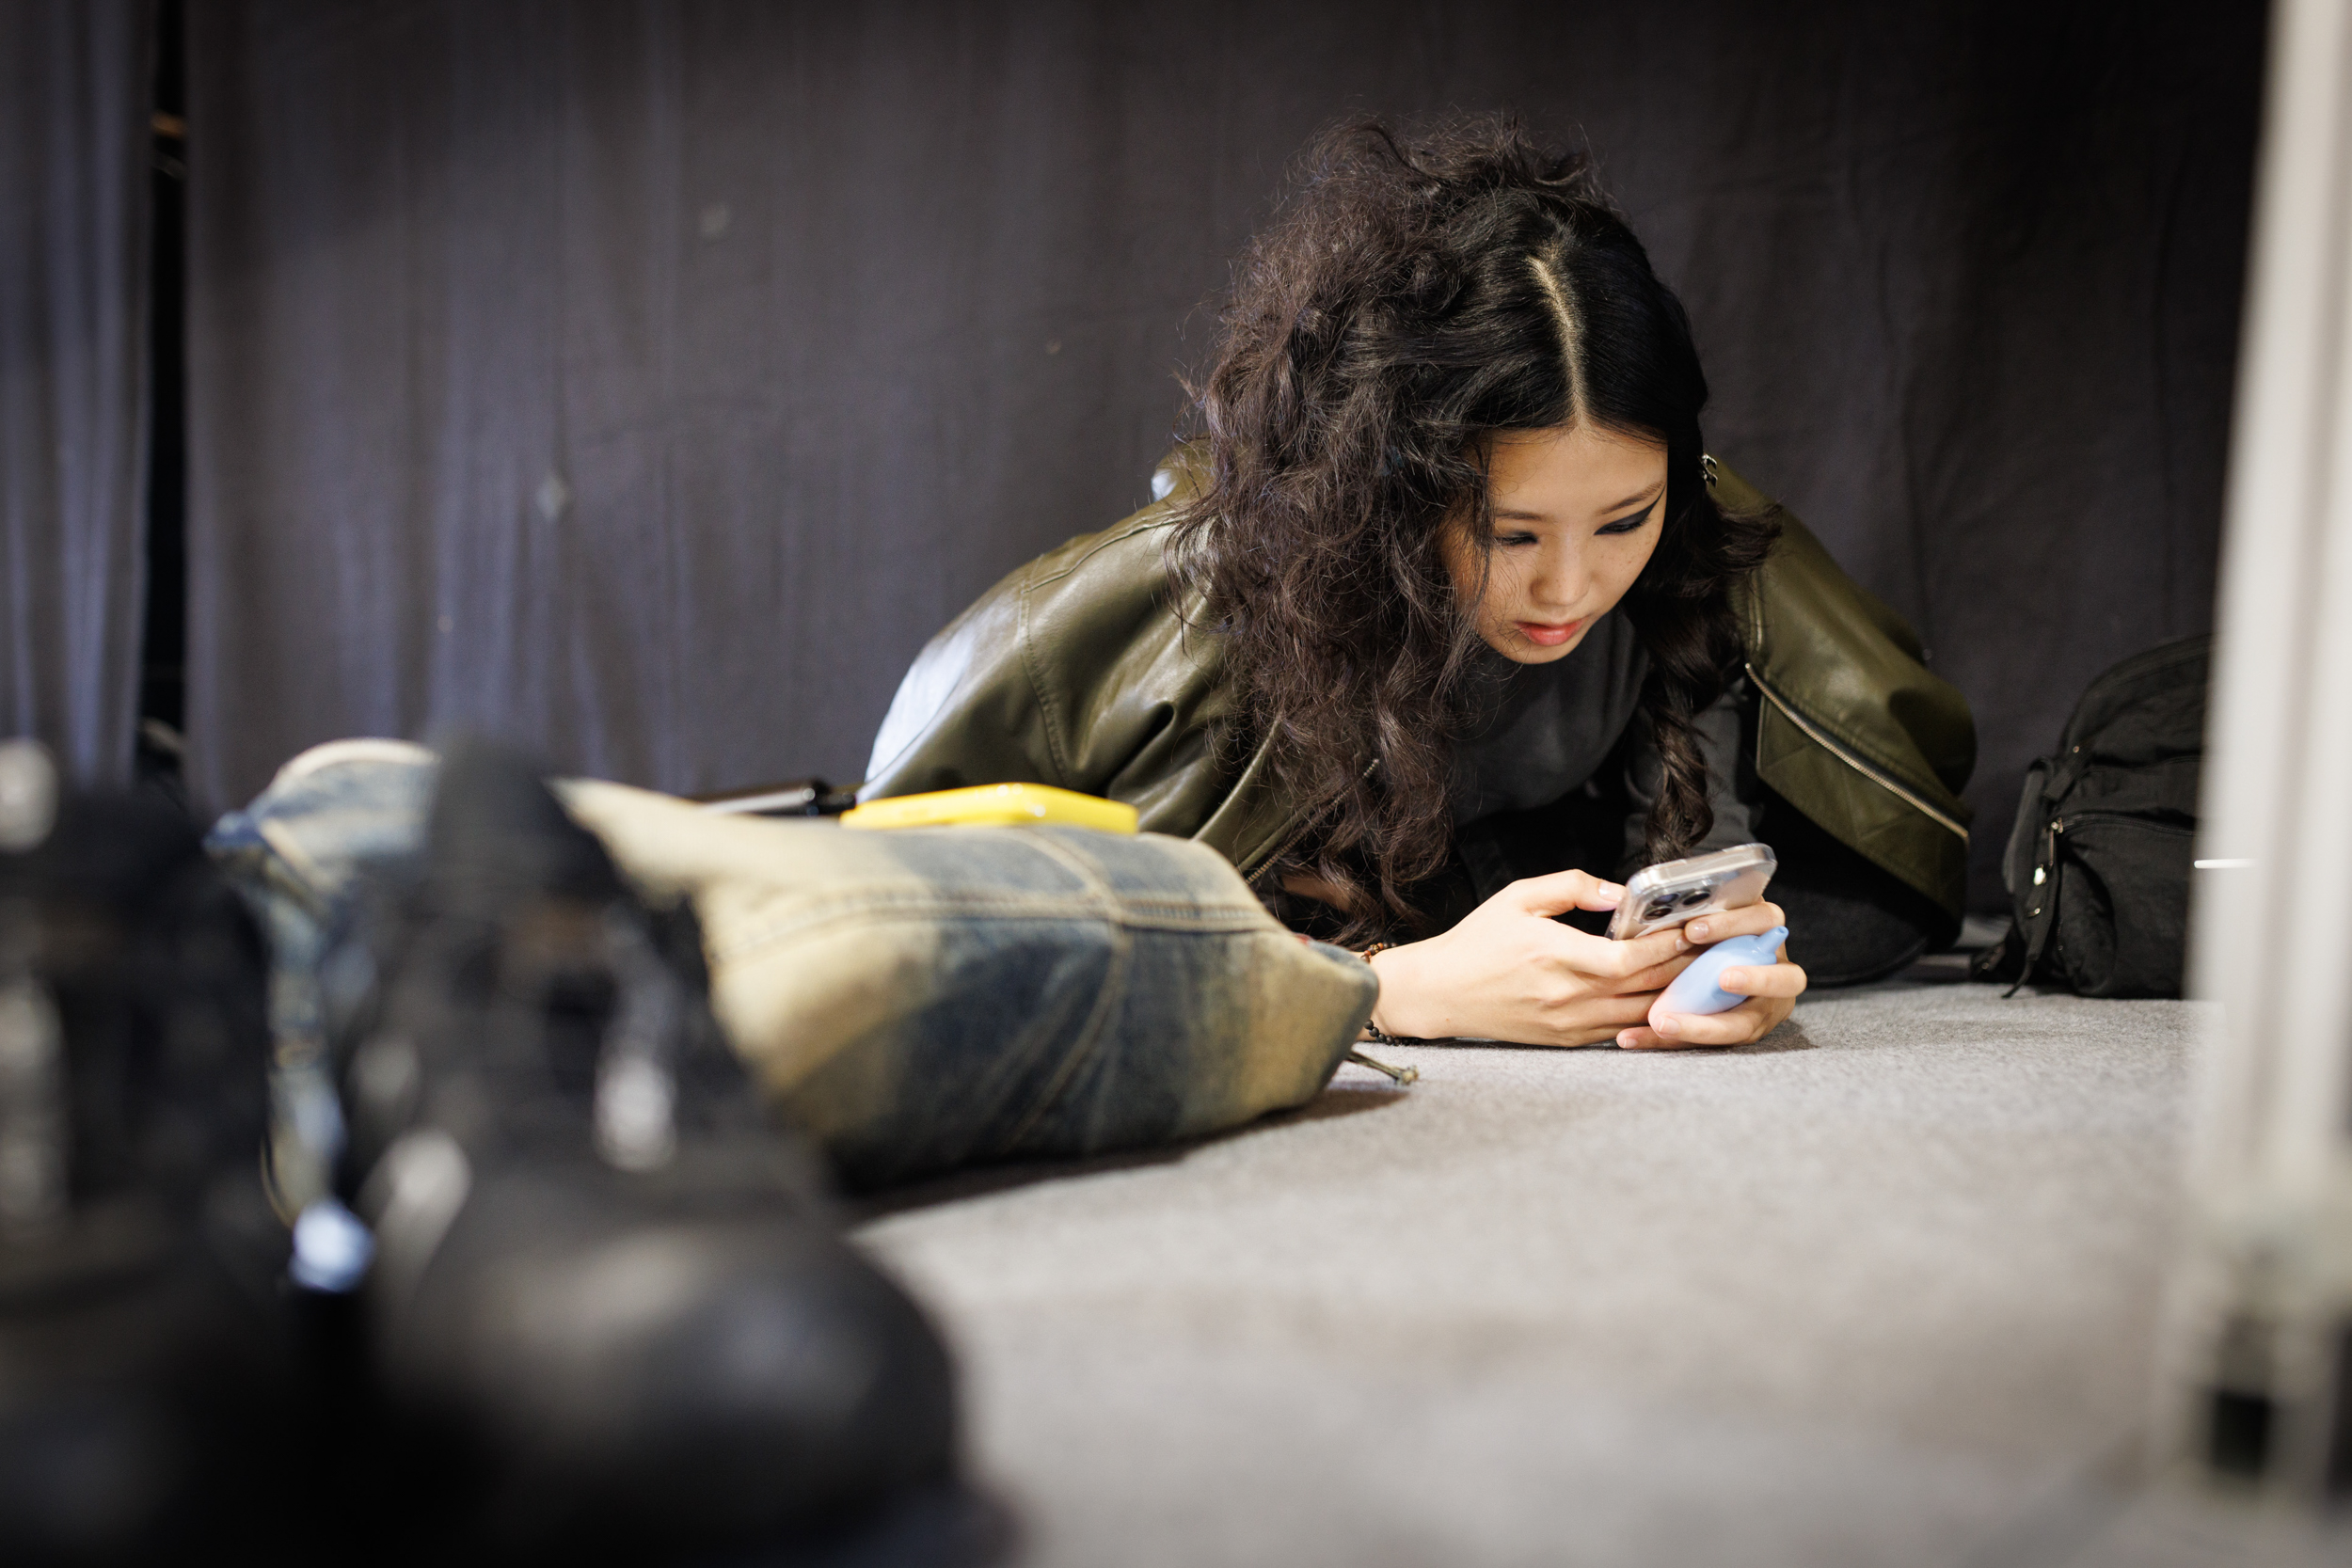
(1658, 976)
(1735, 1027)
(1781, 980)
(1599, 1034)
(1770, 989)
(1622, 962)
(1745, 922)
(1597, 1020)
(1750, 1021)
(1641, 962)
(1563, 890)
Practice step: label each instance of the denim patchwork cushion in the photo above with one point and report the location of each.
(917, 999)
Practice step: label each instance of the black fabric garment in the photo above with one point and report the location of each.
(648, 380)
(1725, 733)
(74, 153)
(1541, 731)
(1849, 922)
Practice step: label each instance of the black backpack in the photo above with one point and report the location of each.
(2098, 863)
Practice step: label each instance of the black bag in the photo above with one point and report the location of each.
(2098, 863)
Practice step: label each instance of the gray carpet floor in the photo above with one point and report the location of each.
(1881, 1289)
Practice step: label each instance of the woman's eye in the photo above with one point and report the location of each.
(1515, 538)
(1624, 525)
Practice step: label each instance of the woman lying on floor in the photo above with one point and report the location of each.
(1446, 622)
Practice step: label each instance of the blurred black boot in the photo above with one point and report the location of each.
(605, 1295)
(148, 1383)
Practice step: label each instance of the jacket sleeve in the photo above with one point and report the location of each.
(1073, 672)
(967, 711)
(1853, 729)
(1080, 671)
(1076, 672)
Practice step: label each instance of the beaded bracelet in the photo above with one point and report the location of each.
(1372, 1032)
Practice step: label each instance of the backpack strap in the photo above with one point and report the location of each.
(2037, 902)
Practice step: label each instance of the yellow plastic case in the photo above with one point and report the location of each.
(1001, 805)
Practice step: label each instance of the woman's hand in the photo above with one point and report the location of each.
(1771, 990)
(1510, 971)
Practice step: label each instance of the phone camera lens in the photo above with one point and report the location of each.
(1659, 907)
(1696, 896)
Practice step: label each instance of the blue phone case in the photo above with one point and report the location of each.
(1694, 990)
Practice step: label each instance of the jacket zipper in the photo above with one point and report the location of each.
(2121, 819)
(1292, 835)
(1877, 776)
(1296, 831)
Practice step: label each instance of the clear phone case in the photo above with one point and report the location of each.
(1672, 891)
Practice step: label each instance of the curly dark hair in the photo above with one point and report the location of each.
(1414, 297)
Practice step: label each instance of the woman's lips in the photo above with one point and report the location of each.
(1549, 636)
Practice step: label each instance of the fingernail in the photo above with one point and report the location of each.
(1681, 941)
(1731, 979)
(1668, 1025)
(1698, 930)
(1625, 1038)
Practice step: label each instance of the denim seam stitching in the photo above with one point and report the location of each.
(802, 922)
(1114, 989)
(1176, 914)
(1042, 906)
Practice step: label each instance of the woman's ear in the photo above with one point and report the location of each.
(1467, 551)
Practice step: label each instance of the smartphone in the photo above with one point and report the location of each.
(1672, 891)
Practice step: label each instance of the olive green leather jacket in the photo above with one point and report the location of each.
(1076, 671)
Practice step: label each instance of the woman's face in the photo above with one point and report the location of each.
(1577, 511)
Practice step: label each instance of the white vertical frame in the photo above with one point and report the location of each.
(2265, 1289)
(2272, 935)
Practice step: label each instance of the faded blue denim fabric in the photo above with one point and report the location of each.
(299, 854)
(332, 817)
(916, 999)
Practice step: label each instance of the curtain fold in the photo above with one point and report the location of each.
(75, 88)
(646, 381)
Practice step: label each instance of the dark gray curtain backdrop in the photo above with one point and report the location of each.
(75, 90)
(648, 381)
